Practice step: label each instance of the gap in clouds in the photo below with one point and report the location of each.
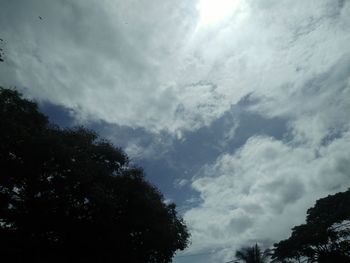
(169, 162)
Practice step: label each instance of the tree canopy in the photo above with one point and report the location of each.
(324, 238)
(67, 195)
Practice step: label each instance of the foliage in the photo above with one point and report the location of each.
(252, 254)
(68, 196)
(324, 238)
(1, 51)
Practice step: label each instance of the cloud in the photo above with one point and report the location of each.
(147, 65)
(179, 183)
(263, 190)
(103, 59)
(146, 69)
(298, 59)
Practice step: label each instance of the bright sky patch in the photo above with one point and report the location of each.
(214, 11)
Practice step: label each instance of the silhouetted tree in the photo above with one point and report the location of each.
(68, 196)
(325, 237)
(1, 50)
(252, 254)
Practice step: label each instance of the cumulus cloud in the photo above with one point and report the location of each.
(103, 59)
(263, 190)
(269, 184)
(298, 56)
(148, 65)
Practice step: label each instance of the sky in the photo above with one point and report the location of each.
(238, 110)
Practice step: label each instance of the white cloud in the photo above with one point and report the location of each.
(145, 64)
(298, 57)
(103, 59)
(179, 183)
(263, 190)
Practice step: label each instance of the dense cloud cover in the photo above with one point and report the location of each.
(181, 85)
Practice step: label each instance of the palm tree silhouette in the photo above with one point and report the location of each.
(252, 254)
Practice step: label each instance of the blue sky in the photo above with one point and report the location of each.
(238, 110)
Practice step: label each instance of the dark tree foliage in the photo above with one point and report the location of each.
(325, 237)
(1, 51)
(68, 196)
